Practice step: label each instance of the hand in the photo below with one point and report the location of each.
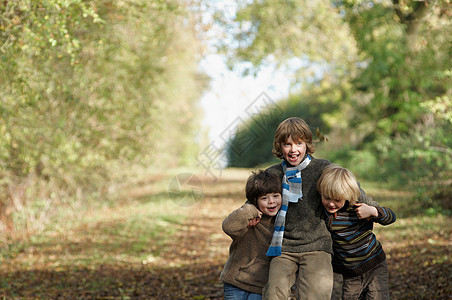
(255, 221)
(365, 211)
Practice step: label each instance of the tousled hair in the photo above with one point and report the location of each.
(339, 184)
(261, 182)
(298, 130)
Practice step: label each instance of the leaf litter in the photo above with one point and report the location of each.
(187, 264)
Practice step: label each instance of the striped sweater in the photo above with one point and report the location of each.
(356, 248)
(305, 229)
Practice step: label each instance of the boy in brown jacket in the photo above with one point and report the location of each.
(251, 228)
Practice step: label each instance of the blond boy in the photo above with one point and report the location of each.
(358, 255)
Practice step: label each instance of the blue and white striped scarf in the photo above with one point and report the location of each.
(291, 184)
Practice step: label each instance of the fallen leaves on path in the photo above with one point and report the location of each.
(187, 266)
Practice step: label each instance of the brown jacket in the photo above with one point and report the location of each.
(247, 266)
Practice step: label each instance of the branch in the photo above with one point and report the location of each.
(413, 19)
(398, 11)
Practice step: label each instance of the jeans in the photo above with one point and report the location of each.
(234, 293)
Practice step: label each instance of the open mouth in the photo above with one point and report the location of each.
(293, 157)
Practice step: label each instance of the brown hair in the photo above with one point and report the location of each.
(298, 130)
(262, 182)
(339, 184)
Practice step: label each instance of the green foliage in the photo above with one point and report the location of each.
(426, 154)
(391, 57)
(402, 64)
(38, 50)
(280, 31)
(409, 59)
(253, 142)
(363, 163)
(92, 82)
(93, 88)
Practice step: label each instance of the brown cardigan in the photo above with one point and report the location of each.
(247, 266)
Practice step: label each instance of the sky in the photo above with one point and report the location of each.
(227, 101)
(231, 99)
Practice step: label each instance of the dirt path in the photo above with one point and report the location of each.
(91, 261)
(189, 265)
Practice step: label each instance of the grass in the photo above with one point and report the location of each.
(125, 229)
(415, 221)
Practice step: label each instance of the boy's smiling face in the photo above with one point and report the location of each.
(293, 151)
(269, 204)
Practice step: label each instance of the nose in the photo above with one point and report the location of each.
(271, 200)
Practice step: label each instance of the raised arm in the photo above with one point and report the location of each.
(377, 214)
(237, 222)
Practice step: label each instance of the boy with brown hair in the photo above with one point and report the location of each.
(358, 255)
(251, 228)
(301, 241)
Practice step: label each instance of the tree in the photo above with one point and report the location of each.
(394, 56)
(91, 89)
(252, 145)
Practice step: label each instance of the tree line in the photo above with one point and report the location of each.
(89, 91)
(375, 78)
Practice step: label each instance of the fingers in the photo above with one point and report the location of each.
(253, 222)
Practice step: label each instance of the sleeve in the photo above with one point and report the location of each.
(236, 223)
(385, 216)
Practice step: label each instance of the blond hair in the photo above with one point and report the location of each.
(339, 184)
(298, 130)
